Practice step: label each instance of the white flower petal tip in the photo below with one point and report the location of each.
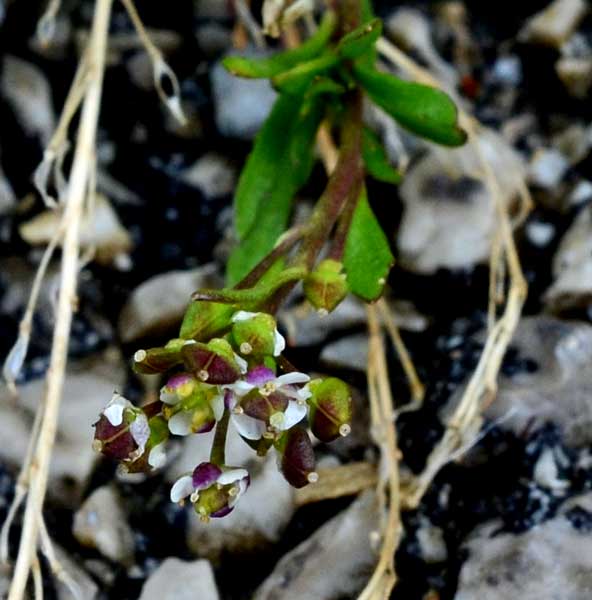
(182, 488)
(232, 475)
(243, 315)
(114, 410)
(279, 343)
(157, 456)
(217, 404)
(248, 427)
(180, 423)
(291, 378)
(243, 365)
(293, 415)
(140, 431)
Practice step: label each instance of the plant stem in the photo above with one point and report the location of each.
(252, 297)
(217, 454)
(286, 243)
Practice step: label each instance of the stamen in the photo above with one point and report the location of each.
(345, 430)
(97, 445)
(233, 491)
(312, 477)
(267, 389)
(238, 410)
(194, 497)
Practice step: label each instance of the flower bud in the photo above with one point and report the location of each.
(326, 286)
(214, 363)
(263, 407)
(158, 360)
(204, 320)
(297, 457)
(330, 412)
(256, 334)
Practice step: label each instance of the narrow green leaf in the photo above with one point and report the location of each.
(367, 258)
(376, 160)
(324, 85)
(277, 168)
(298, 80)
(422, 109)
(359, 41)
(283, 61)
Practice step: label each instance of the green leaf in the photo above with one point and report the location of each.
(359, 41)
(324, 85)
(276, 169)
(367, 258)
(422, 109)
(376, 160)
(299, 79)
(283, 61)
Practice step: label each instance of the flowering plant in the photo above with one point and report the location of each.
(227, 365)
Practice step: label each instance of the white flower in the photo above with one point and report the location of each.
(264, 380)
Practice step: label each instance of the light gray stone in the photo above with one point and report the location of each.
(176, 579)
(551, 561)
(560, 390)
(350, 352)
(101, 523)
(241, 105)
(334, 562)
(159, 303)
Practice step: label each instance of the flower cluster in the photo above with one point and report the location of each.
(230, 370)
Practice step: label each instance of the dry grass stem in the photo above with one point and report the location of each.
(78, 190)
(381, 406)
(161, 70)
(336, 482)
(416, 387)
(482, 386)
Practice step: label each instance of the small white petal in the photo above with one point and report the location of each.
(232, 475)
(243, 365)
(303, 393)
(279, 343)
(294, 414)
(217, 404)
(180, 423)
(140, 431)
(169, 398)
(115, 408)
(240, 387)
(290, 378)
(248, 427)
(243, 315)
(182, 488)
(157, 456)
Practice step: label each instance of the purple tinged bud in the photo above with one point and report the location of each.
(326, 286)
(158, 360)
(330, 412)
(115, 442)
(262, 407)
(205, 475)
(212, 363)
(260, 375)
(297, 457)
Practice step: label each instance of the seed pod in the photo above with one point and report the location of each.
(255, 335)
(330, 412)
(297, 457)
(158, 360)
(262, 407)
(204, 320)
(214, 363)
(326, 286)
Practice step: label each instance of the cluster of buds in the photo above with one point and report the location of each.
(228, 370)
